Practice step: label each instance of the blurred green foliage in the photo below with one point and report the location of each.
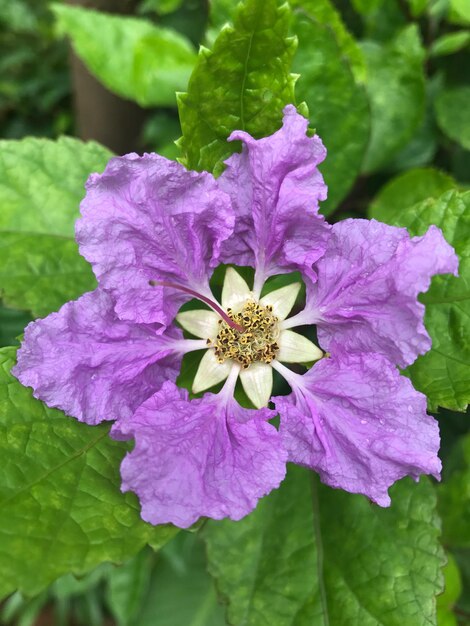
(34, 75)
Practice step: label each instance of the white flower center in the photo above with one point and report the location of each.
(254, 350)
(258, 341)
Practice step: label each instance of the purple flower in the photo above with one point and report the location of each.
(365, 299)
(154, 233)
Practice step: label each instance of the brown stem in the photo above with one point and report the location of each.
(101, 115)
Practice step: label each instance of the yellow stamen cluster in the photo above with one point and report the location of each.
(258, 341)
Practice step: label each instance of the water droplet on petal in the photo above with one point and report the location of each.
(363, 421)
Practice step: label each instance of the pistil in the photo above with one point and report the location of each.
(218, 309)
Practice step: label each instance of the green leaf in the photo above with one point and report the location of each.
(443, 373)
(450, 43)
(61, 509)
(453, 114)
(396, 87)
(220, 12)
(454, 498)
(12, 323)
(333, 558)
(338, 105)
(452, 591)
(325, 13)
(130, 56)
(460, 11)
(182, 566)
(418, 7)
(162, 7)
(408, 189)
(128, 587)
(463, 561)
(243, 83)
(41, 185)
(423, 145)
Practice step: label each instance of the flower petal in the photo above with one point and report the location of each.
(275, 187)
(90, 364)
(235, 291)
(365, 299)
(201, 457)
(282, 300)
(210, 372)
(359, 424)
(257, 381)
(200, 323)
(295, 348)
(148, 218)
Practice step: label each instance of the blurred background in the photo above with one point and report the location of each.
(72, 68)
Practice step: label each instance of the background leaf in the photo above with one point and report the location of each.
(242, 83)
(395, 84)
(41, 186)
(450, 43)
(454, 498)
(452, 591)
(334, 559)
(128, 587)
(453, 114)
(130, 56)
(406, 190)
(461, 11)
(181, 565)
(338, 105)
(61, 509)
(12, 323)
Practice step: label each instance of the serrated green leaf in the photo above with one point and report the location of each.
(131, 56)
(407, 189)
(332, 559)
(242, 83)
(61, 509)
(453, 114)
(396, 87)
(181, 566)
(338, 105)
(454, 499)
(41, 186)
(443, 373)
(450, 43)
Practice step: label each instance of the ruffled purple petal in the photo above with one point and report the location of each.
(88, 363)
(360, 425)
(148, 218)
(365, 298)
(200, 457)
(275, 188)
